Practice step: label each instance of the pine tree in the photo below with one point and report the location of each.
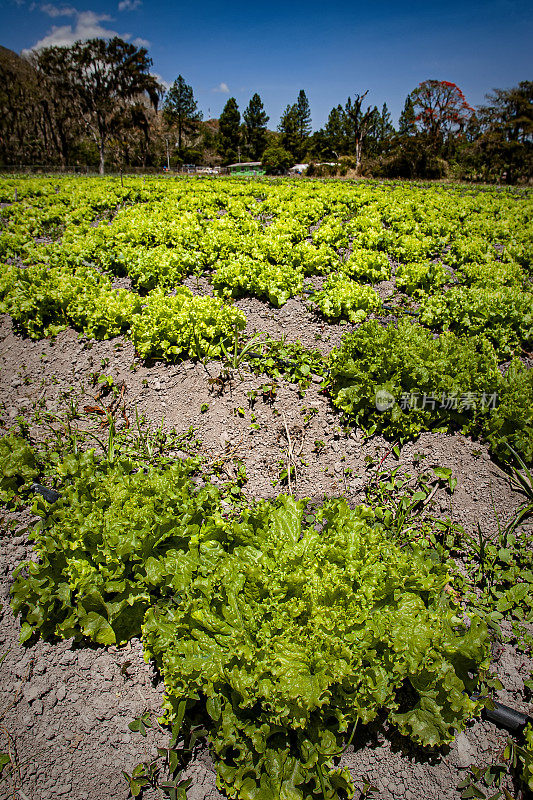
(295, 126)
(229, 131)
(255, 120)
(304, 115)
(181, 109)
(290, 131)
(386, 126)
(407, 123)
(372, 135)
(380, 131)
(335, 131)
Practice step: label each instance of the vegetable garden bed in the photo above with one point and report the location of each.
(290, 425)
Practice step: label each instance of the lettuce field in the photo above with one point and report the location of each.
(266, 489)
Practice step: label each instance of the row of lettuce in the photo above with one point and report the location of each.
(276, 637)
(464, 259)
(269, 237)
(279, 626)
(44, 298)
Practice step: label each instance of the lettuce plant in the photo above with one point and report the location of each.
(282, 631)
(431, 382)
(342, 297)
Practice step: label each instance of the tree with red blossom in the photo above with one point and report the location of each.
(440, 108)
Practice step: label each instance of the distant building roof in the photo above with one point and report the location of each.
(245, 164)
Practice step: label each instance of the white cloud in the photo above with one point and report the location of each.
(140, 42)
(129, 5)
(57, 11)
(222, 88)
(165, 84)
(87, 25)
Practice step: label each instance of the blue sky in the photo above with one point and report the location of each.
(331, 50)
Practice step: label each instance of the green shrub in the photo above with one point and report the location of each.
(276, 160)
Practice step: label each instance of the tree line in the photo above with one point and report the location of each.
(96, 103)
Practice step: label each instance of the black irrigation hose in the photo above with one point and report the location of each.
(403, 310)
(50, 495)
(504, 716)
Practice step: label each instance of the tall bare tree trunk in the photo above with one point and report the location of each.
(358, 152)
(101, 148)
